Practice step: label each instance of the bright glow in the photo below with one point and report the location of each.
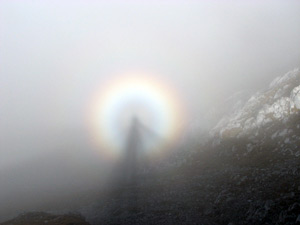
(155, 104)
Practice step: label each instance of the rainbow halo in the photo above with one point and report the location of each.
(135, 95)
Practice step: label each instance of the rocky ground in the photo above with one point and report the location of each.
(209, 194)
(215, 192)
(248, 172)
(38, 218)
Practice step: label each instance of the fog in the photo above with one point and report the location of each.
(55, 55)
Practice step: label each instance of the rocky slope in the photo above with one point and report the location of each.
(247, 172)
(260, 141)
(277, 103)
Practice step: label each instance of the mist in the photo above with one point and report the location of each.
(55, 55)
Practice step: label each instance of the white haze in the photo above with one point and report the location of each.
(54, 54)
